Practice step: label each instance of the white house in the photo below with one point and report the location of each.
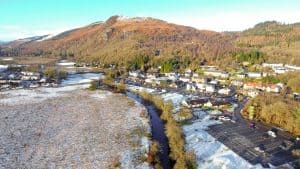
(184, 79)
(224, 91)
(293, 67)
(215, 73)
(254, 74)
(134, 73)
(201, 86)
(188, 73)
(272, 65)
(210, 88)
(252, 93)
(237, 83)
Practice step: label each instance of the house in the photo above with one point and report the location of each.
(190, 86)
(224, 91)
(210, 88)
(196, 75)
(241, 75)
(254, 74)
(268, 87)
(200, 86)
(291, 67)
(151, 75)
(184, 79)
(214, 82)
(272, 65)
(194, 103)
(237, 83)
(272, 88)
(188, 73)
(216, 73)
(297, 96)
(217, 103)
(252, 93)
(280, 70)
(134, 73)
(172, 76)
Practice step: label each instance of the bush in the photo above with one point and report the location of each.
(55, 74)
(153, 153)
(115, 163)
(173, 132)
(93, 85)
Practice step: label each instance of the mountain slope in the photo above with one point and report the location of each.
(280, 42)
(123, 39)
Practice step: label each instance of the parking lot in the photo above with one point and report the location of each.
(245, 142)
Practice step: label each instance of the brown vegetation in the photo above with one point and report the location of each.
(274, 109)
(183, 160)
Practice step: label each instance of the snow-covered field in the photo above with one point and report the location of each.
(70, 127)
(81, 78)
(210, 153)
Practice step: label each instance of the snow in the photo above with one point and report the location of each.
(3, 67)
(175, 98)
(65, 63)
(81, 78)
(210, 153)
(47, 37)
(6, 58)
(26, 96)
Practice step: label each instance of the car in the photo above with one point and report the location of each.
(260, 148)
(272, 133)
(252, 125)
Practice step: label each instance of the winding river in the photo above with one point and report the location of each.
(157, 128)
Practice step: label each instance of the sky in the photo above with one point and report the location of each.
(26, 18)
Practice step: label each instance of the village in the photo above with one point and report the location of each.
(216, 98)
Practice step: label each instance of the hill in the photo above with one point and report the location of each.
(280, 42)
(121, 40)
(145, 42)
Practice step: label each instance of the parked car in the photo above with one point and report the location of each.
(272, 133)
(252, 125)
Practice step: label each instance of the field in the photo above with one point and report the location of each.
(70, 127)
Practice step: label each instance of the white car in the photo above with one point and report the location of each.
(272, 133)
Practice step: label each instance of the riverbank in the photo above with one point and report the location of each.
(71, 127)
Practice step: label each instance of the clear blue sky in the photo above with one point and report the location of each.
(23, 18)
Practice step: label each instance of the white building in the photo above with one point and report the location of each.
(210, 88)
(224, 91)
(254, 74)
(215, 73)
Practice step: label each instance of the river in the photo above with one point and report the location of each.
(158, 130)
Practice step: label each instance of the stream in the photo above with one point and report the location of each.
(157, 128)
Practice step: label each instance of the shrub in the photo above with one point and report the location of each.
(93, 85)
(115, 163)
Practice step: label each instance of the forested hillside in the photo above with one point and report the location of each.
(148, 42)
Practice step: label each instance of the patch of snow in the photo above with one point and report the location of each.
(65, 63)
(210, 153)
(3, 68)
(47, 37)
(141, 89)
(6, 58)
(25, 96)
(81, 78)
(175, 98)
